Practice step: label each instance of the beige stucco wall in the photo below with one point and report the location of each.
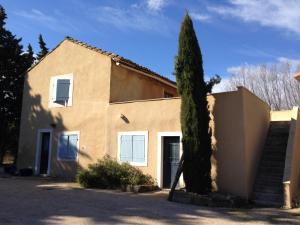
(154, 116)
(292, 161)
(96, 82)
(284, 115)
(229, 141)
(128, 84)
(257, 119)
(240, 124)
(240, 119)
(91, 73)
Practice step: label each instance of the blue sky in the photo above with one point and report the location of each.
(230, 32)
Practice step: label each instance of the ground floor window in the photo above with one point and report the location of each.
(133, 147)
(68, 145)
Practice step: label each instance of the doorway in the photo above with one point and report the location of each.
(171, 158)
(43, 152)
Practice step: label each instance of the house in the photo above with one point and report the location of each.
(81, 103)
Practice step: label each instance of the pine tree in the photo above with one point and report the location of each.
(30, 56)
(194, 111)
(43, 49)
(2, 17)
(13, 64)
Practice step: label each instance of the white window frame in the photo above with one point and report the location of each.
(52, 90)
(160, 155)
(58, 145)
(145, 134)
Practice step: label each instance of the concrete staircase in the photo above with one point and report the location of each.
(268, 188)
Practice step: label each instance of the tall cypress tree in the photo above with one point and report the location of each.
(13, 64)
(43, 49)
(194, 115)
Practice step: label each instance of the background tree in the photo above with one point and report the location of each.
(194, 115)
(214, 80)
(273, 83)
(43, 49)
(29, 56)
(13, 64)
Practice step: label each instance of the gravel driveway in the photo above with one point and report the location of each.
(40, 201)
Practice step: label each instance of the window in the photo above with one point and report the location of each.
(133, 147)
(61, 91)
(68, 146)
(168, 95)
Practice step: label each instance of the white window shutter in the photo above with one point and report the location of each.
(62, 90)
(126, 148)
(138, 148)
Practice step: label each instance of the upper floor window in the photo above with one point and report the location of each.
(61, 91)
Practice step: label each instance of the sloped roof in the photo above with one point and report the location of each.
(116, 58)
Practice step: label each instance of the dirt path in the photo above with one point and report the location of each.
(35, 201)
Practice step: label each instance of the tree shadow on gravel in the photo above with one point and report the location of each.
(35, 201)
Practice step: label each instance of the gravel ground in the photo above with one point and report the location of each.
(41, 201)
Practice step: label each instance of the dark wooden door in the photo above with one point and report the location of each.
(171, 158)
(45, 148)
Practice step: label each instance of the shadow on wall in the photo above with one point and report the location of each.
(214, 166)
(34, 117)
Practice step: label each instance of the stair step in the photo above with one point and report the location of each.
(272, 181)
(268, 189)
(276, 151)
(275, 129)
(272, 164)
(267, 203)
(280, 123)
(276, 189)
(270, 177)
(278, 132)
(268, 196)
(276, 142)
(273, 170)
(283, 130)
(273, 157)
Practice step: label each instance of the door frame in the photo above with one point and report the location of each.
(160, 155)
(38, 151)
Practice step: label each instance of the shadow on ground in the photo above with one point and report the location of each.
(36, 201)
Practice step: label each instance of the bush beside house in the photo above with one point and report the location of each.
(107, 173)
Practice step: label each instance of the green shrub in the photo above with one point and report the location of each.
(108, 173)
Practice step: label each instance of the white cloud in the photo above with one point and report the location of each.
(280, 61)
(281, 14)
(233, 69)
(222, 86)
(237, 69)
(254, 52)
(292, 62)
(133, 18)
(57, 22)
(156, 5)
(35, 14)
(200, 17)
